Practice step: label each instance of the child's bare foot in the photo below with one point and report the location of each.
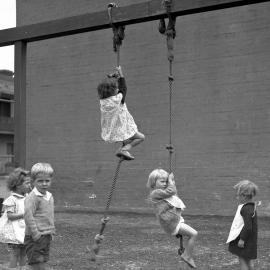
(188, 261)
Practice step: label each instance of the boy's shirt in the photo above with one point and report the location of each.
(39, 214)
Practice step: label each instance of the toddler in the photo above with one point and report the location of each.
(19, 185)
(243, 235)
(169, 206)
(117, 124)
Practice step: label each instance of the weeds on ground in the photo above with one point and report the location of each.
(136, 242)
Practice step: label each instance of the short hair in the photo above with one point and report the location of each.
(40, 167)
(16, 178)
(107, 88)
(246, 188)
(154, 175)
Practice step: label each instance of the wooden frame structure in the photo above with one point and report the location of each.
(132, 14)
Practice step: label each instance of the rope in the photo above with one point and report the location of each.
(170, 33)
(105, 216)
(118, 32)
(169, 147)
(118, 36)
(105, 219)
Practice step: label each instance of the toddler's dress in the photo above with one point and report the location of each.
(15, 204)
(117, 124)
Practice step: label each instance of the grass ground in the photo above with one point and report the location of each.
(134, 242)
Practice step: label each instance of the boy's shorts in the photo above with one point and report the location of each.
(37, 251)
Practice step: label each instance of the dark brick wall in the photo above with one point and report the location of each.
(220, 106)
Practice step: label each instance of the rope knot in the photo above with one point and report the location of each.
(168, 30)
(170, 148)
(118, 31)
(167, 4)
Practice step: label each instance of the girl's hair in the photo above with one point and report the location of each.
(246, 188)
(107, 88)
(44, 168)
(16, 178)
(154, 175)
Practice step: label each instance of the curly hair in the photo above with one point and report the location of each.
(246, 188)
(107, 88)
(16, 178)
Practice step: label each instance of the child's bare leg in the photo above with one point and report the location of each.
(133, 141)
(13, 257)
(245, 264)
(188, 231)
(22, 259)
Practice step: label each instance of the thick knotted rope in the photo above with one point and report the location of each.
(118, 32)
(170, 33)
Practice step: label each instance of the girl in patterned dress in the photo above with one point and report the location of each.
(117, 124)
(19, 184)
(243, 235)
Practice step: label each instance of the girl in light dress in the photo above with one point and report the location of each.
(19, 184)
(117, 124)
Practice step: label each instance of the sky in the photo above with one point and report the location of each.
(7, 20)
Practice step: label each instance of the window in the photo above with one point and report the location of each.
(5, 109)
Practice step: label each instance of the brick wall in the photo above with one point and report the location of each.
(220, 106)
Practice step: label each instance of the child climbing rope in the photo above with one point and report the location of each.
(163, 195)
(117, 124)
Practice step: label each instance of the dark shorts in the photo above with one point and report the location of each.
(37, 251)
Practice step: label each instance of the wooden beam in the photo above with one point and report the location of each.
(136, 13)
(20, 103)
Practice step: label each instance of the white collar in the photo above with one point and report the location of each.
(46, 196)
(17, 195)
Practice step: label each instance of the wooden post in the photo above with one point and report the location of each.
(20, 103)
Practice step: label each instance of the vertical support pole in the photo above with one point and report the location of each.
(20, 103)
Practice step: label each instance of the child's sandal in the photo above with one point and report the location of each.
(124, 154)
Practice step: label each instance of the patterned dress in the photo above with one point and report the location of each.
(117, 124)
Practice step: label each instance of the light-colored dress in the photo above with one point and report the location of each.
(15, 204)
(117, 124)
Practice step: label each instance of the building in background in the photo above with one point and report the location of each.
(221, 116)
(6, 120)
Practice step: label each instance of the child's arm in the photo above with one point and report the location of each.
(14, 216)
(247, 213)
(10, 207)
(31, 203)
(122, 84)
(160, 194)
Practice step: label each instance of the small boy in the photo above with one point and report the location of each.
(39, 217)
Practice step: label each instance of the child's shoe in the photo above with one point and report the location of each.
(124, 154)
(188, 261)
